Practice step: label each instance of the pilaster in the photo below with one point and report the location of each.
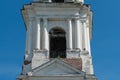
(86, 36)
(29, 36)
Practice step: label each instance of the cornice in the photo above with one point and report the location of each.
(55, 5)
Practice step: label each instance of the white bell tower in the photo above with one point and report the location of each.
(58, 34)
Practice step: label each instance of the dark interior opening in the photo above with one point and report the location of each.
(57, 43)
(58, 1)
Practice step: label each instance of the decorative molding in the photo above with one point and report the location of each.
(56, 5)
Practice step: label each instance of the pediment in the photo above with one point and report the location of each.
(55, 67)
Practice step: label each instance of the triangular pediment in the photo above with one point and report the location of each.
(55, 67)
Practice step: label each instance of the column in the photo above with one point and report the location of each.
(88, 36)
(80, 35)
(77, 35)
(69, 35)
(50, 0)
(29, 37)
(37, 35)
(45, 43)
(84, 35)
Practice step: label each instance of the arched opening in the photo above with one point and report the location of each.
(58, 1)
(57, 43)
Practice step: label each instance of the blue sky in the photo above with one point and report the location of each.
(105, 44)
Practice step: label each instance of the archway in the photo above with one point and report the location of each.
(58, 1)
(57, 43)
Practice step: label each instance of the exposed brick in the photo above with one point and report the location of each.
(75, 62)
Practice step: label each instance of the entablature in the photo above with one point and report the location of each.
(60, 1)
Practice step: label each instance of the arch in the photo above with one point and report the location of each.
(58, 1)
(57, 43)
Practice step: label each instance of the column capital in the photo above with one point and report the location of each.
(38, 18)
(83, 20)
(69, 18)
(45, 18)
(31, 19)
(77, 18)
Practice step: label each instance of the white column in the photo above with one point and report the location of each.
(45, 42)
(29, 37)
(81, 41)
(84, 35)
(88, 36)
(37, 35)
(77, 35)
(69, 35)
(50, 0)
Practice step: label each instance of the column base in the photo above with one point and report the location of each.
(73, 53)
(77, 49)
(69, 49)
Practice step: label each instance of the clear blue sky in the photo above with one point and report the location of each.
(105, 44)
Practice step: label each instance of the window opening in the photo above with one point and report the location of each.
(58, 1)
(57, 43)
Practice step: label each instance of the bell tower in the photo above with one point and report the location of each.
(58, 34)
